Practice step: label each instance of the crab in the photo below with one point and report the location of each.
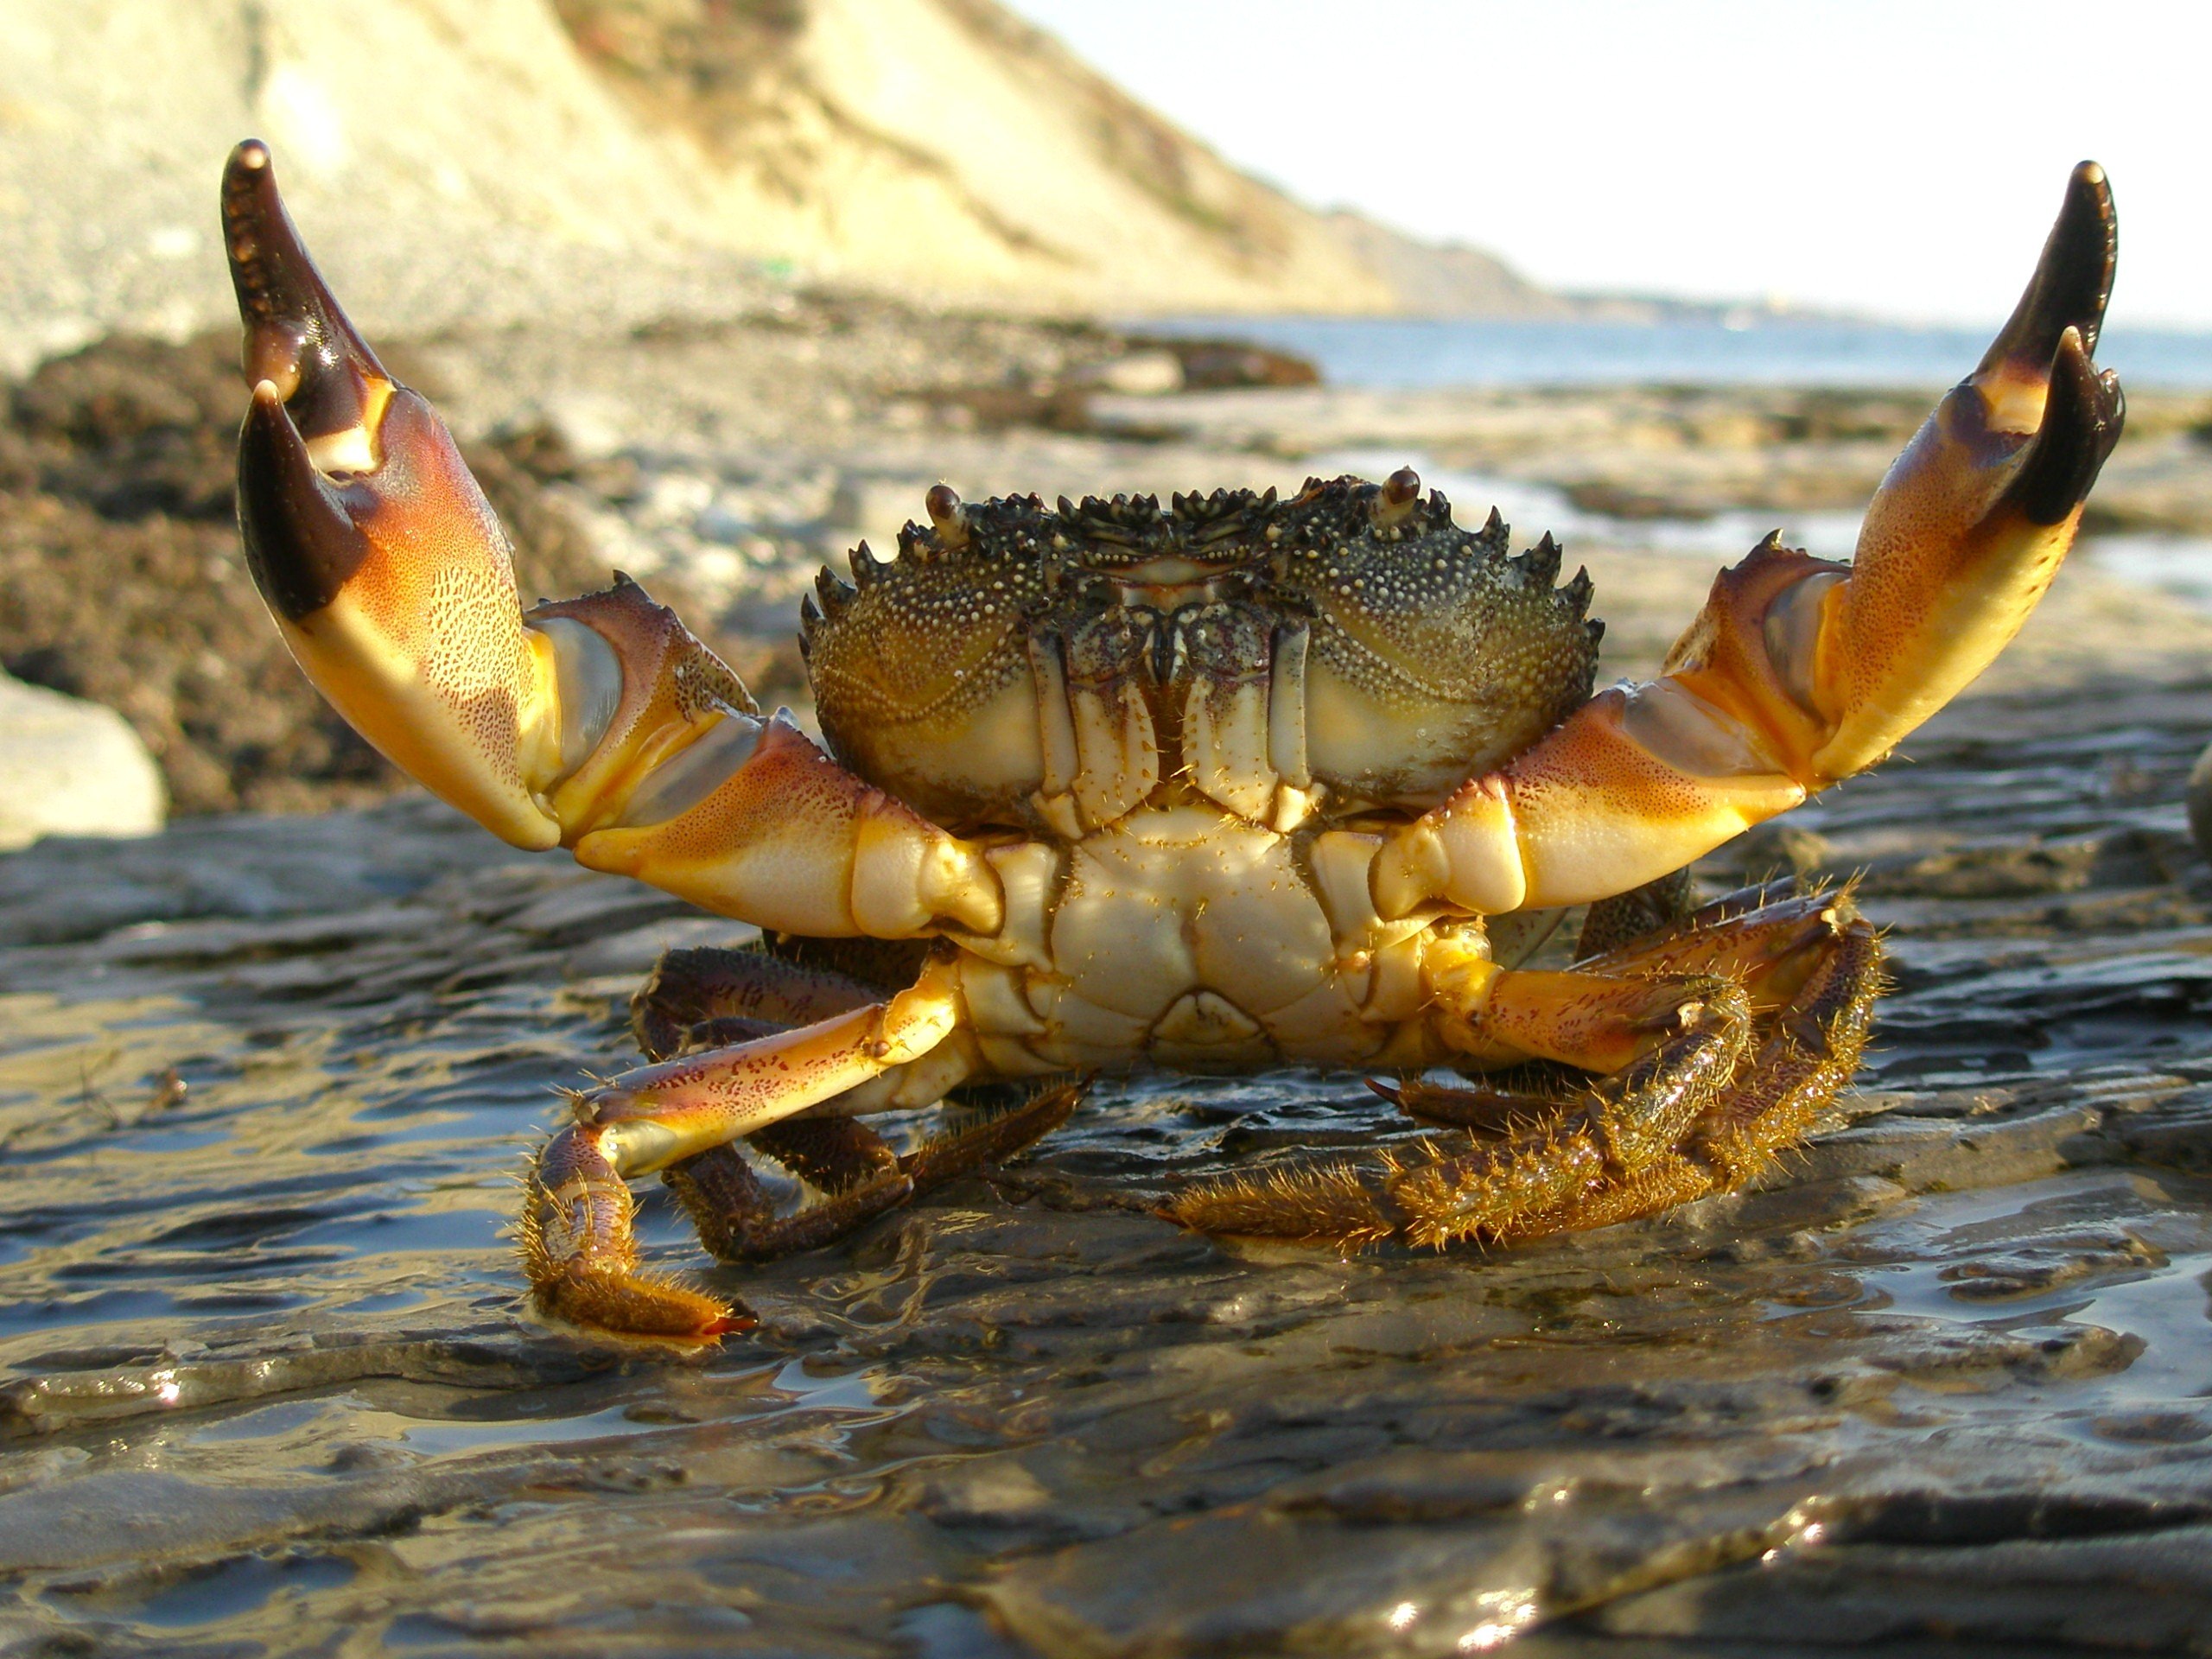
(1239, 782)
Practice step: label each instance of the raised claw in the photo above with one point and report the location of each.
(2071, 286)
(598, 724)
(1801, 671)
(1975, 517)
(384, 565)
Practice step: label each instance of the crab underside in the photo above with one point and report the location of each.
(1239, 782)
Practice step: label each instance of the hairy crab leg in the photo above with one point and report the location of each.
(992, 1136)
(1769, 951)
(1705, 1108)
(579, 1248)
(598, 724)
(856, 1167)
(1801, 671)
(1444, 1192)
(1811, 1051)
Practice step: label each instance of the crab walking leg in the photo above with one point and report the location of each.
(852, 1164)
(597, 724)
(579, 1248)
(1801, 671)
(1770, 953)
(1705, 1108)
(735, 1215)
(1674, 1045)
(1811, 1052)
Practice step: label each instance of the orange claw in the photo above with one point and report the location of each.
(1801, 671)
(598, 724)
(1975, 517)
(380, 559)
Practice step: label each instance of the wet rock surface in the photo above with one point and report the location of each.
(1945, 1385)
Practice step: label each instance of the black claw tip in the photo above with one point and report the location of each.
(2082, 422)
(2073, 280)
(301, 545)
(296, 337)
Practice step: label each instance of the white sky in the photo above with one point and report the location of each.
(1897, 156)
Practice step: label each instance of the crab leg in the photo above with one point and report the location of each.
(1746, 1027)
(579, 1247)
(1678, 1043)
(845, 1159)
(1801, 671)
(598, 724)
(713, 997)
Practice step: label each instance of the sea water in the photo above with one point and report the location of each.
(1404, 353)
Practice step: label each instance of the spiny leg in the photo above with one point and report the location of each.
(579, 1247)
(1672, 1046)
(735, 1213)
(1810, 965)
(1809, 1050)
(994, 1135)
(1768, 940)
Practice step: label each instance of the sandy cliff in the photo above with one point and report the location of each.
(615, 160)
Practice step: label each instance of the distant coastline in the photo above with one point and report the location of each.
(1693, 345)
